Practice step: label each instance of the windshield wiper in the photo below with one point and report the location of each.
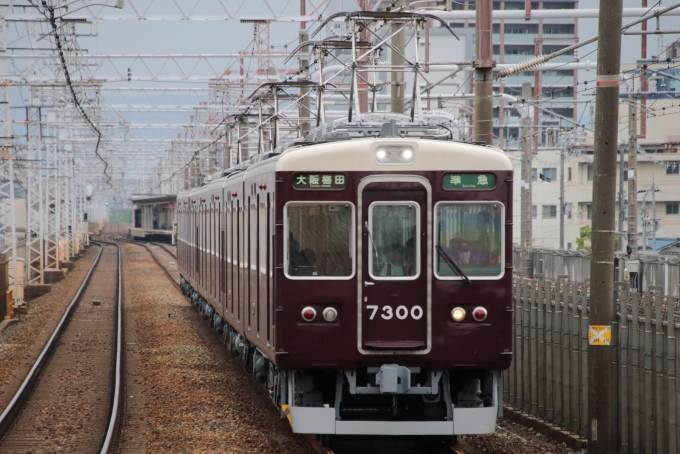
(449, 261)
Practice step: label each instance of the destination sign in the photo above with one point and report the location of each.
(319, 181)
(469, 181)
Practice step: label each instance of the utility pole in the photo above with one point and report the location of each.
(564, 152)
(525, 235)
(632, 179)
(601, 313)
(304, 111)
(622, 213)
(644, 222)
(397, 86)
(483, 114)
(654, 191)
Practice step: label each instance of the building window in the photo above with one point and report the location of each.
(518, 49)
(589, 209)
(569, 173)
(590, 172)
(534, 174)
(549, 211)
(672, 168)
(672, 208)
(568, 246)
(558, 29)
(549, 174)
(534, 212)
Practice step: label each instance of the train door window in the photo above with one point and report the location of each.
(253, 236)
(394, 239)
(252, 257)
(268, 268)
(239, 258)
(262, 236)
(471, 236)
(232, 254)
(198, 262)
(258, 266)
(319, 240)
(230, 230)
(262, 220)
(223, 251)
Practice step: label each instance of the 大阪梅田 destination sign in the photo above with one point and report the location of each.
(319, 181)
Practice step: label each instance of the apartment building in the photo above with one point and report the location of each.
(515, 41)
(658, 170)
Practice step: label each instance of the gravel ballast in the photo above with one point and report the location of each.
(195, 397)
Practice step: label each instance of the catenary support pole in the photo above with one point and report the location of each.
(562, 205)
(483, 114)
(654, 220)
(601, 312)
(397, 86)
(632, 179)
(526, 213)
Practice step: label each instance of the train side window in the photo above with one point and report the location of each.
(471, 234)
(320, 240)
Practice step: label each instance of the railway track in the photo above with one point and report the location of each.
(70, 398)
(354, 445)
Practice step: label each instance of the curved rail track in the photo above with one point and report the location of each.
(70, 399)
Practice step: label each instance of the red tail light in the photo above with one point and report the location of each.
(479, 314)
(308, 314)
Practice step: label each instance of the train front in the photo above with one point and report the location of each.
(393, 308)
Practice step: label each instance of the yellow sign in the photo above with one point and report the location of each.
(599, 335)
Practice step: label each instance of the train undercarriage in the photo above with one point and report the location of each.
(376, 399)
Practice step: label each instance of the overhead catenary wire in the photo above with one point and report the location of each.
(55, 31)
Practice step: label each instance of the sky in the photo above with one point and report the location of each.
(224, 37)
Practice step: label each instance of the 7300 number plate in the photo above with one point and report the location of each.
(401, 312)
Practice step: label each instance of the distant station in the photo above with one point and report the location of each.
(153, 217)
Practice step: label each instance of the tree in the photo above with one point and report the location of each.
(585, 239)
(585, 235)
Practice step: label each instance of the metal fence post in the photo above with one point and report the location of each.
(540, 334)
(549, 382)
(624, 372)
(526, 368)
(616, 361)
(672, 400)
(658, 378)
(533, 346)
(635, 383)
(648, 383)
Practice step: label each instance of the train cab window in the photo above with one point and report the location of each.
(471, 236)
(320, 240)
(394, 233)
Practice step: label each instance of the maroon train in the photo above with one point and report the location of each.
(366, 282)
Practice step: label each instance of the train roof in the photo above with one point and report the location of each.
(325, 148)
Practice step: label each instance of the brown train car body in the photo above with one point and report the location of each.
(236, 249)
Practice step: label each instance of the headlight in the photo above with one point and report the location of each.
(330, 314)
(383, 155)
(458, 314)
(405, 155)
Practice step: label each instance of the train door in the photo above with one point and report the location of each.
(395, 272)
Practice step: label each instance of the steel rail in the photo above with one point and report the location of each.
(9, 415)
(114, 415)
